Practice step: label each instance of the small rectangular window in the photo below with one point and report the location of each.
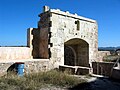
(78, 24)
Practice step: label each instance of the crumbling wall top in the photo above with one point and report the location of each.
(66, 13)
(46, 8)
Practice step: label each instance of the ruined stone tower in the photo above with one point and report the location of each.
(64, 39)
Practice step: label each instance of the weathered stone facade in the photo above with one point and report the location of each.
(60, 29)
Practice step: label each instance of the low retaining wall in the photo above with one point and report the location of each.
(13, 53)
(102, 68)
(36, 66)
(31, 66)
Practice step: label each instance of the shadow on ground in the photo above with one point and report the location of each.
(98, 84)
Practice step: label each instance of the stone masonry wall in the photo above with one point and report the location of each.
(34, 66)
(66, 26)
(31, 66)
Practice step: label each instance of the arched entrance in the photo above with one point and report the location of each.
(76, 52)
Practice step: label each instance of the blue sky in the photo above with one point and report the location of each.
(18, 15)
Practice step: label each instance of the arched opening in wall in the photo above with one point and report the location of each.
(12, 70)
(76, 52)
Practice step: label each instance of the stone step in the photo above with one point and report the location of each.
(78, 70)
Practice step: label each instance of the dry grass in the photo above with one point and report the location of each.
(36, 81)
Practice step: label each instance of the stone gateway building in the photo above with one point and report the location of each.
(61, 39)
(65, 39)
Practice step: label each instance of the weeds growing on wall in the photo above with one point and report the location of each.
(39, 80)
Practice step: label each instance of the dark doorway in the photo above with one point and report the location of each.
(69, 56)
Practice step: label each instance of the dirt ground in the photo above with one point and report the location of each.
(98, 83)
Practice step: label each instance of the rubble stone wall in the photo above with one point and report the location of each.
(30, 66)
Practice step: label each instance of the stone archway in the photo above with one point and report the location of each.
(76, 52)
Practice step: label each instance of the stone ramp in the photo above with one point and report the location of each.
(78, 70)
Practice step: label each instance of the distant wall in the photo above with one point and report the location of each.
(101, 54)
(7, 53)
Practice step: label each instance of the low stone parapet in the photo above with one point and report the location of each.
(14, 53)
(102, 68)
